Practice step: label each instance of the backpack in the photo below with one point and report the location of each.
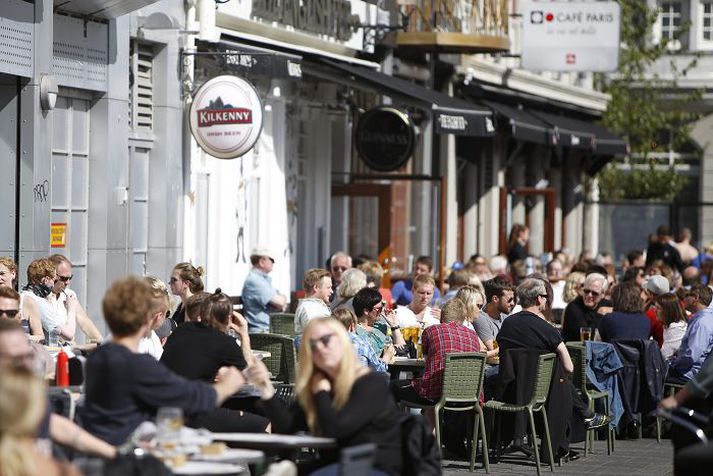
(421, 455)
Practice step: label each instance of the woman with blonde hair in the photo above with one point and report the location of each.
(160, 307)
(21, 410)
(353, 281)
(29, 311)
(337, 397)
(573, 286)
(185, 281)
(474, 299)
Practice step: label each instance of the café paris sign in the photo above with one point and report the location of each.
(226, 117)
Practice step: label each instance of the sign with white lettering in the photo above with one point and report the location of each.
(570, 36)
(385, 138)
(226, 117)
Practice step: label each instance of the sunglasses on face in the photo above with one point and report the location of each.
(11, 313)
(339, 268)
(589, 291)
(324, 340)
(173, 280)
(65, 279)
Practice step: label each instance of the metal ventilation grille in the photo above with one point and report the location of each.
(16, 35)
(80, 53)
(141, 84)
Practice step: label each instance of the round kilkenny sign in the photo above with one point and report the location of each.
(226, 117)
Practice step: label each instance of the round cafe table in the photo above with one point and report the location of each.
(264, 441)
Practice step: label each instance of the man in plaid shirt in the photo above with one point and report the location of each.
(448, 337)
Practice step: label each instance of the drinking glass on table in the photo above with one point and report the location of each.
(585, 334)
(169, 421)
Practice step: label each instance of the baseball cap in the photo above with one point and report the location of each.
(263, 251)
(657, 284)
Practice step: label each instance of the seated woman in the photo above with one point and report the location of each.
(628, 321)
(125, 388)
(369, 308)
(196, 350)
(670, 313)
(337, 397)
(29, 311)
(21, 414)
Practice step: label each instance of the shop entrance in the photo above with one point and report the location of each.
(388, 220)
(539, 214)
(368, 219)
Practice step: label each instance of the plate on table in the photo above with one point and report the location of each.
(208, 467)
(232, 455)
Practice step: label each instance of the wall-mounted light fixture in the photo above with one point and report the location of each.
(48, 92)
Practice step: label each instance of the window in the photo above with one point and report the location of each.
(707, 21)
(141, 86)
(671, 15)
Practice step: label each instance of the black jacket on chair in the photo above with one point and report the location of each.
(642, 378)
(516, 378)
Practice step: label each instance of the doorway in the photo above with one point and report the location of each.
(540, 221)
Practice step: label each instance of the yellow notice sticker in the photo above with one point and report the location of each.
(58, 235)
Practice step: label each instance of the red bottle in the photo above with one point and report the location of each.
(62, 371)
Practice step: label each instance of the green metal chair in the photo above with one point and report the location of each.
(668, 390)
(578, 353)
(545, 367)
(463, 375)
(282, 362)
(282, 323)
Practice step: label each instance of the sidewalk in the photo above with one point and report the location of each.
(642, 457)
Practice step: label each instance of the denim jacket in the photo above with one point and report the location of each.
(603, 363)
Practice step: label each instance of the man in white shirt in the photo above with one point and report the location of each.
(317, 283)
(61, 293)
(418, 313)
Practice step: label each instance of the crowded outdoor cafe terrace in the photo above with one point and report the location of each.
(568, 360)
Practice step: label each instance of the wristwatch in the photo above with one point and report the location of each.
(395, 328)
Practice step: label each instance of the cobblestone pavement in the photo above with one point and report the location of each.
(643, 457)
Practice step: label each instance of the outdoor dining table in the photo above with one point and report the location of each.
(273, 441)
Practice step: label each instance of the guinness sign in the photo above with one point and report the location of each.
(385, 138)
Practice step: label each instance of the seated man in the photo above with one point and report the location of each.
(499, 303)
(317, 283)
(60, 293)
(437, 341)
(402, 291)
(419, 313)
(15, 349)
(697, 342)
(587, 309)
(528, 329)
(125, 388)
(365, 353)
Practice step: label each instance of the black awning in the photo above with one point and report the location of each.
(450, 115)
(247, 60)
(524, 125)
(569, 132)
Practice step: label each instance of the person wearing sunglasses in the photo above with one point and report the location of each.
(337, 397)
(29, 313)
(586, 310)
(61, 292)
(41, 277)
(499, 303)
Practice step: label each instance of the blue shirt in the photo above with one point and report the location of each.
(257, 294)
(366, 354)
(624, 326)
(695, 345)
(402, 292)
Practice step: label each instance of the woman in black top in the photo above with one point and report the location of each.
(519, 235)
(627, 321)
(196, 350)
(337, 397)
(185, 281)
